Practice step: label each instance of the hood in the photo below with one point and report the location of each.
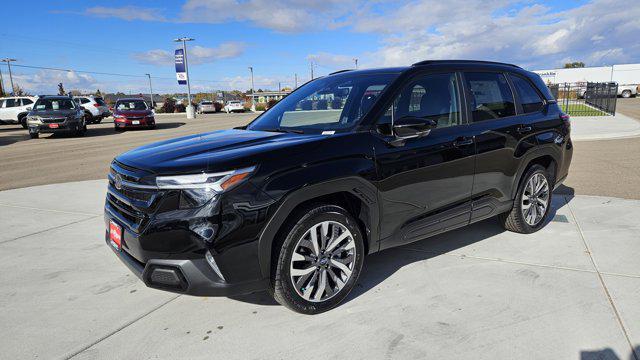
(53, 113)
(132, 112)
(215, 151)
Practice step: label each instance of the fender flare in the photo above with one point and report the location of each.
(543, 150)
(356, 186)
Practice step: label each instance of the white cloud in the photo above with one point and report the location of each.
(279, 15)
(128, 13)
(196, 54)
(46, 81)
(533, 36)
(334, 61)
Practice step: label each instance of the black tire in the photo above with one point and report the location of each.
(282, 287)
(88, 117)
(118, 129)
(82, 128)
(514, 220)
(34, 135)
(23, 121)
(626, 94)
(97, 121)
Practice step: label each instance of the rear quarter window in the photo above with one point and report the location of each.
(529, 98)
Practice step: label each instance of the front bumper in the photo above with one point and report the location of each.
(191, 277)
(145, 122)
(45, 128)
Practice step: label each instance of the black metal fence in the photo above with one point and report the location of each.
(586, 99)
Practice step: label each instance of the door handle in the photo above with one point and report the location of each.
(463, 142)
(524, 129)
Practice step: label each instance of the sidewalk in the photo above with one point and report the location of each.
(585, 128)
(569, 291)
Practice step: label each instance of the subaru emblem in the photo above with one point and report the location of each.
(117, 182)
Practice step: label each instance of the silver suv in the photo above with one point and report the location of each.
(95, 108)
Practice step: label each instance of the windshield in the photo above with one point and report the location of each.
(54, 104)
(334, 103)
(131, 105)
(206, 103)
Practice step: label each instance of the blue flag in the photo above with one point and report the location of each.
(181, 73)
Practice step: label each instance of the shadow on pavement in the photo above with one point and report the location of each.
(609, 354)
(381, 265)
(106, 131)
(10, 139)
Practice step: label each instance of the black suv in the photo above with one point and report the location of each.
(347, 165)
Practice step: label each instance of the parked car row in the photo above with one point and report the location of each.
(208, 106)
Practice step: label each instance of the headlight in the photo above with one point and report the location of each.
(33, 119)
(197, 189)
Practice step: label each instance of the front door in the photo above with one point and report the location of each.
(425, 183)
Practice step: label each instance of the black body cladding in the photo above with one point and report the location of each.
(399, 190)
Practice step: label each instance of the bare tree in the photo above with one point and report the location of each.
(60, 89)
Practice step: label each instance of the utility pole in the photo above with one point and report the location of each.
(151, 92)
(253, 100)
(190, 112)
(311, 66)
(1, 84)
(356, 60)
(8, 61)
(296, 76)
(279, 87)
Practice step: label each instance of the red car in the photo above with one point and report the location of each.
(132, 113)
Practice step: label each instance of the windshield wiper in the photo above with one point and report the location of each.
(291, 131)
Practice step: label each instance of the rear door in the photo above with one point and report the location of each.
(502, 138)
(427, 175)
(2, 110)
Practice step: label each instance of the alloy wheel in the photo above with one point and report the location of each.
(535, 199)
(323, 261)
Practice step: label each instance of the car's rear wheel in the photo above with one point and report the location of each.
(532, 204)
(626, 94)
(34, 135)
(319, 260)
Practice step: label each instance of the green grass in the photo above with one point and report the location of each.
(582, 110)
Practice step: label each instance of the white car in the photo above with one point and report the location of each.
(94, 107)
(205, 106)
(627, 91)
(14, 110)
(233, 106)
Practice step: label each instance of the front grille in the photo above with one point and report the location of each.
(52, 120)
(135, 117)
(133, 201)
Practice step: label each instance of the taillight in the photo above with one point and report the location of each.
(96, 105)
(567, 119)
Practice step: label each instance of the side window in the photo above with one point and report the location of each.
(433, 97)
(529, 97)
(491, 97)
(11, 103)
(84, 101)
(26, 102)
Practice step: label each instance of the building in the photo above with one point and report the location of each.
(624, 74)
(264, 97)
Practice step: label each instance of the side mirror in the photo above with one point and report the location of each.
(410, 127)
(28, 109)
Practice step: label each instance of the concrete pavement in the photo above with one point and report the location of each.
(568, 291)
(585, 128)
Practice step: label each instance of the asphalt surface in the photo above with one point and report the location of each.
(606, 167)
(56, 159)
(568, 291)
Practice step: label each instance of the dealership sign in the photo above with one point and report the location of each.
(181, 73)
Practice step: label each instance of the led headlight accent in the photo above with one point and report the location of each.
(217, 182)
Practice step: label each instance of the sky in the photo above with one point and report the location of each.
(282, 38)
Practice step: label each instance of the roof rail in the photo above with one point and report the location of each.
(340, 71)
(433, 62)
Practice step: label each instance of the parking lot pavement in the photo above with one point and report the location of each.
(568, 291)
(604, 127)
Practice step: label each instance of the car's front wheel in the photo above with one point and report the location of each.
(319, 260)
(626, 94)
(532, 204)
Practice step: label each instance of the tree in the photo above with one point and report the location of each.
(18, 91)
(60, 89)
(98, 93)
(573, 65)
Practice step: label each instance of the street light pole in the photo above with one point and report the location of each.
(356, 60)
(190, 111)
(1, 84)
(8, 61)
(253, 99)
(296, 76)
(151, 91)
